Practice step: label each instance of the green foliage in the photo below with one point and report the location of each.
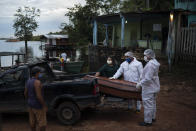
(25, 22)
(140, 5)
(80, 28)
(35, 38)
(132, 5)
(162, 4)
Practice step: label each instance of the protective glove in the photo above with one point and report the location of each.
(112, 78)
(138, 86)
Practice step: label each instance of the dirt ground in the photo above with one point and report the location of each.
(176, 110)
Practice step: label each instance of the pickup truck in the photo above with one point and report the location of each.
(65, 95)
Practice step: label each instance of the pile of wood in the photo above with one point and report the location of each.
(119, 88)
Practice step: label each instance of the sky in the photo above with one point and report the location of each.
(51, 17)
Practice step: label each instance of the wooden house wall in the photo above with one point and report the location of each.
(62, 41)
(133, 32)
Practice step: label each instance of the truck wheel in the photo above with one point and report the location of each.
(68, 113)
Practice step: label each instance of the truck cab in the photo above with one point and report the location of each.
(65, 95)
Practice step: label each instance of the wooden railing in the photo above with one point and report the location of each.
(58, 47)
(186, 45)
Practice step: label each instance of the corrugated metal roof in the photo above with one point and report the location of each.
(135, 16)
(56, 36)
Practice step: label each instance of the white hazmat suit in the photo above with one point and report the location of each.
(132, 72)
(150, 87)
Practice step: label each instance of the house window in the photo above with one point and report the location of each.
(50, 41)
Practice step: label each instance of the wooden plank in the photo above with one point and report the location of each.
(194, 44)
(12, 60)
(182, 48)
(178, 37)
(192, 41)
(119, 88)
(121, 84)
(191, 45)
(181, 42)
(184, 44)
(188, 45)
(120, 93)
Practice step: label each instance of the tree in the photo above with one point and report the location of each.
(80, 27)
(25, 23)
(140, 5)
(132, 5)
(162, 4)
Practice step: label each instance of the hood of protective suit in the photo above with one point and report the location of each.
(155, 62)
(150, 79)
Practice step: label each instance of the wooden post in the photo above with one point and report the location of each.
(141, 22)
(148, 42)
(181, 42)
(12, 60)
(194, 45)
(106, 34)
(0, 121)
(170, 40)
(18, 58)
(122, 30)
(113, 36)
(147, 4)
(178, 39)
(187, 44)
(26, 51)
(95, 33)
(184, 44)
(191, 45)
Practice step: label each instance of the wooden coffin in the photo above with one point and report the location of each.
(119, 88)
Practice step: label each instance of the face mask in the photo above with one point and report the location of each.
(39, 76)
(146, 59)
(109, 62)
(129, 60)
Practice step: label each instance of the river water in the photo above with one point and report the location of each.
(15, 47)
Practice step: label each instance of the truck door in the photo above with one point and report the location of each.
(12, 91)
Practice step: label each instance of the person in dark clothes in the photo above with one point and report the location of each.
(109, 69)
(37, 107)
(17, 63)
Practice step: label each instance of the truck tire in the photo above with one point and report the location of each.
(68, 113)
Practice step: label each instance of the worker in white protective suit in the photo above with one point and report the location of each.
(150, 87)
(132, 71)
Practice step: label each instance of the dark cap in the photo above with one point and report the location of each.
(35, 70)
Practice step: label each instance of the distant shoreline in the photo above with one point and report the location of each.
(34, 38)
(3, 38)
(19, 40)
